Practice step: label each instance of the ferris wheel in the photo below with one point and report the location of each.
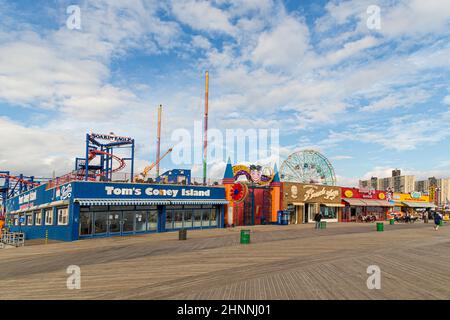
(308, 166)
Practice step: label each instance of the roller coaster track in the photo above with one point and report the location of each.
(24, 181)
(94, 153)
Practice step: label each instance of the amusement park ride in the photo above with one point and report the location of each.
(11, 186)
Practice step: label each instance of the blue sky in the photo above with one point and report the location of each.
(370, 100)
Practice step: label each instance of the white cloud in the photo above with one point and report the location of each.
(284, 45)
(202, 15)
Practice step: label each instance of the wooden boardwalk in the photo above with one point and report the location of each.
(282, 262)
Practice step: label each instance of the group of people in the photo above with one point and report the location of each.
(368, 218)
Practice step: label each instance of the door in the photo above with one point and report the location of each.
(86, 223)
(101, 223)
(115, 223)
(128, 219)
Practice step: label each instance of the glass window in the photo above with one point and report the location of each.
(114, 220)
(328, 212)
(206, 218)
(38, 218)
(100, 223)
(214, 217)
(63, 216)
(85, 223)
(49, 217)
(178, 219)
(152, 220)
(197, 218)
(140, 221)
(128, 221)
(187, 219)
(169, 219)
(29, 219)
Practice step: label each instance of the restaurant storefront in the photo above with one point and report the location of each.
(304, 201)
(79, 210)
(364, 205)
(414, 203)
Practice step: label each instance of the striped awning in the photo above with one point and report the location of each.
(201, 201)
(140, 202)
(120, 202)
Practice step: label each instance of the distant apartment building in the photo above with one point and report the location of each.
(441, 189)
(397, 182)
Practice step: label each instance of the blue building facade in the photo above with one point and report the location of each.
(80, 209)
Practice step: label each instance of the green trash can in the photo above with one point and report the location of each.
(245, 236)
(441, 223)
(391, 221)
(380, 226)
(323, 224)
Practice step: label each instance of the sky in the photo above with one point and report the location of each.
(370, 97)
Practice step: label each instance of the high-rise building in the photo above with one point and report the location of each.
(397, 183)
(441, 190)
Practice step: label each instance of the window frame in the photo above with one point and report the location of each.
(65, 210)
(49, 213)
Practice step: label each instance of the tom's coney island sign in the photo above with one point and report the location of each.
(300, 192)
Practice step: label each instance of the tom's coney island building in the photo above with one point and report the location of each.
(304, 201)
(81, 209)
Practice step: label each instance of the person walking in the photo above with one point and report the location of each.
(426, 215)
(317, 219)
(437, 220)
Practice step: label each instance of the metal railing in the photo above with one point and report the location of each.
(16, 239)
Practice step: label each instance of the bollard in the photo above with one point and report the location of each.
(182, 234)
(46, 236)
(380, 226)
(245, 236)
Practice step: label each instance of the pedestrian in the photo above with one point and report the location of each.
(425, 216)
(317, 219)
(437, 220)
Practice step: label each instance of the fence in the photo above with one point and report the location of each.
(16, 239)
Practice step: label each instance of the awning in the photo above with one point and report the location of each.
(355, 202)
(200, 201)
(140, 202)
(377, 203)
(414, 204)
(119, 202)
(334, 204)
(42, 206)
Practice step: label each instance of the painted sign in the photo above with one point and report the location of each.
(415, 195)
(253, 174)
(299, 192)
(111, 137)
(408, 197)
(363, 193)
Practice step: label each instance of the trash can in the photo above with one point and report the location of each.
(323, 224)
(441, 223)
(182, 234)
(245, 236)
(280, 217)
(380, 226)
(391, 221)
